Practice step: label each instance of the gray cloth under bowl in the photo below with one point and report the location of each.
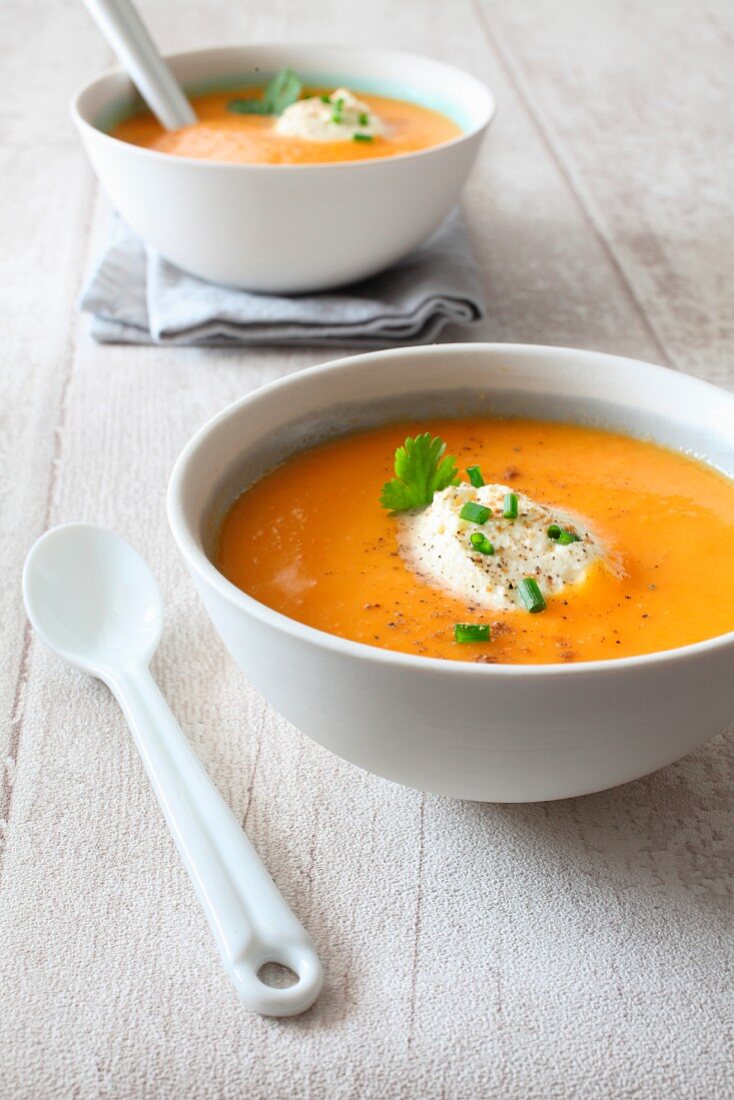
(137, 297)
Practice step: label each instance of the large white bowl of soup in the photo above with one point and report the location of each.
(351, 173)
(490, 571)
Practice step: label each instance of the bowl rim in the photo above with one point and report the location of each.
(155, 155)
(198, 562)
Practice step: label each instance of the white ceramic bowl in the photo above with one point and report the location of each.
(499, 733)
(287, 228)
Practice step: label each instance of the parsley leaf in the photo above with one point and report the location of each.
(421, 469)
(281, 91)
(248, 107)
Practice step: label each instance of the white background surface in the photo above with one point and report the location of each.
(581, 948)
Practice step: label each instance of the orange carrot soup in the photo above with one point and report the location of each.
(499, 541)
(284, 123)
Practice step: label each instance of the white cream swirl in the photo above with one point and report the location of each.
(436, 544)
(337, 117)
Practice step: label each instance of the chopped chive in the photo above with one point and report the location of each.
(475, 513)
(510, 506)
(363, 137)
(481, 543)
(336, 117)
(471, 632)
(340, 104)
(326, 99)
(531, 595)
(561, 536)
(363, 119)
(475, 476)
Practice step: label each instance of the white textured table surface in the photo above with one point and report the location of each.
(576, 949)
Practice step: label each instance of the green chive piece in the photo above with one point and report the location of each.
(475, 513)
(510, 506)
(481, 543)
(471, 632)
(475, 476)
(531, 595)
(363, 137)
(326, 99)
(336, 117)
(561, 536)
(363, 119)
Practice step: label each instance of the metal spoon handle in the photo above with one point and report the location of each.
(249, 919)
(128, 36)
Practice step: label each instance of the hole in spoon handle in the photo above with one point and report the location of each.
(271, 1000)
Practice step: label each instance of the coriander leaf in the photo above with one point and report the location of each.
(281, 91)
(421, 469)
(248, 107)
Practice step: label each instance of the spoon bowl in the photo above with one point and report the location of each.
(92, 598)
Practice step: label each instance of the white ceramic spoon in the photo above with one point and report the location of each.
(128, 36)
(95, 602)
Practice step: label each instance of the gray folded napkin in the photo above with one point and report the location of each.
(137, 297)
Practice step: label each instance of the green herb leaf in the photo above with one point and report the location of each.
(471, 632)
(531, 595)
(281, 91)
(475, 476)
(561, 535)
(475, 513)
(248, 107)
(422, 468)
(481, 543)
(362, 137)
(510, 506)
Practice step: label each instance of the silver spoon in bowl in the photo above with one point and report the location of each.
(94, 601)
(128, 36)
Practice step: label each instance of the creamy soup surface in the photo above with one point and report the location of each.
(644, 563)
(391, 126)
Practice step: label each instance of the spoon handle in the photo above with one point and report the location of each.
(128, 36)
(251, 922)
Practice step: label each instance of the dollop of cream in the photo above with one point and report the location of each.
(436, 544)
(339, 117)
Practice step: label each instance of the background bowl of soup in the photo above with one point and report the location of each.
(298, 227)
(496, 732)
